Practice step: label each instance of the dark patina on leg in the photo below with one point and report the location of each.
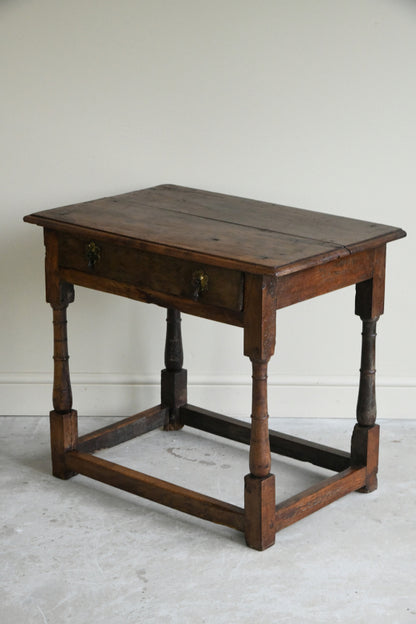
(369, 305)
(174, 377)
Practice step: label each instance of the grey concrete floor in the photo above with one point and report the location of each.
(80, 551)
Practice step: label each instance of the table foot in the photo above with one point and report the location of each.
(64, 437)
(259, 511)
(364, 452)
(174, 395)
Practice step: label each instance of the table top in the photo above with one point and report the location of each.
(222, 230)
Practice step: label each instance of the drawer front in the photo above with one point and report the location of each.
(153, 272)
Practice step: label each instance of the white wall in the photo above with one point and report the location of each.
(310, 103)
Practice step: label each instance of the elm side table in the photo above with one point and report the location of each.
(231, 260)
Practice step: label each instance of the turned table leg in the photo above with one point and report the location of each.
(259, 342)
(259, 492)
(366, 405)
(174, 377)
(63, 419)
(365, 438)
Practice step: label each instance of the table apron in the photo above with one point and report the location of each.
(318, 280)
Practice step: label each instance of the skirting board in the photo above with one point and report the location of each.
(122, 395)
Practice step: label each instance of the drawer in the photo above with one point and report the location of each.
(149, 271)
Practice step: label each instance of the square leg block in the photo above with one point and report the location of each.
(259, 507)
(364, 452)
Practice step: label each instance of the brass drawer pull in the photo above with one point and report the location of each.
(199, 283)
(93, 254)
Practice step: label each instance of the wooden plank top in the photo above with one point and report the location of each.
(223, 230)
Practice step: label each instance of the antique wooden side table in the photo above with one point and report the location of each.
(231, 260)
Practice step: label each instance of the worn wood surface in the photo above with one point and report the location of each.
(318, 496)
(157, 490)
(260, 458)
(259, 317)
(324, 278)
(369, 293)
(248, 235)
(231, 260)
(364, 452)
(64, 438)
(62, 393)
(63, 419)
(184, 304)
(259, 511)
(280, 443)
(259, 344)
(123, 430)
(150, 271)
